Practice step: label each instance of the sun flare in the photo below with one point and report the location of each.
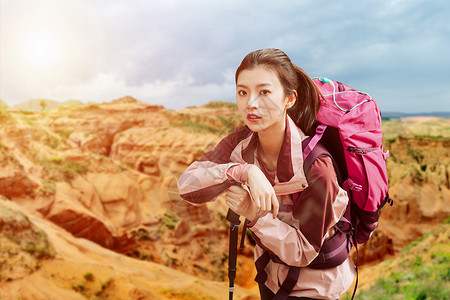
(41, 50)
(48, 46)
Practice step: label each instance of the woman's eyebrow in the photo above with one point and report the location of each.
(258, 85)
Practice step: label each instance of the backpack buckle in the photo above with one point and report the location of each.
(321, 129)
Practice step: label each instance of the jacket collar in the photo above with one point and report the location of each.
(290, 174)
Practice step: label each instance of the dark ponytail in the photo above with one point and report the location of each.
(305, 109)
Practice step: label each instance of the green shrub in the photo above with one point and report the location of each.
(104, 286)
(220, 104)
(227, 123)
(88, 276)
(4, 114)
(389, 141)
(48, 188)
(166, 221)
(58, 168)
(416, 278)
(8, 156)
(194, 126)
(416, 155)
(51, 140)
(78, 288)
(429, 136)
(169, 219)
(417, 262)
(65, 133)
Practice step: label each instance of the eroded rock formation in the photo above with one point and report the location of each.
(107, 173)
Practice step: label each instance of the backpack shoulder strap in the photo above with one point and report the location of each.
(317, 150)
(335, 250)
(312, 141)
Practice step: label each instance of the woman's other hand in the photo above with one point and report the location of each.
(239, 200)
(262, 192)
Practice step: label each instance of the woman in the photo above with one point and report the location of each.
(260, 167)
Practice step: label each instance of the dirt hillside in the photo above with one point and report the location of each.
(46, 262)
(99, 181)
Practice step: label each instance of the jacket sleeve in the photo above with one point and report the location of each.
(207, 178)
(316, 211)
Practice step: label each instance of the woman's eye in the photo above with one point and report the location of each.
(242, 93)
(265, 92)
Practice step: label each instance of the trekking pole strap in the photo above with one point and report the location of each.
(356, 267)
(244, 232)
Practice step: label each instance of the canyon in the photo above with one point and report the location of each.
(90, 207)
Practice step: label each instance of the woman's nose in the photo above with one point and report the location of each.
(253, 103)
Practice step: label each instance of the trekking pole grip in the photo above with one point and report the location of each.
(233, 217)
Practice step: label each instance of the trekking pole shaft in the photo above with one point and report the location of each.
(233, 218)
(230, 294)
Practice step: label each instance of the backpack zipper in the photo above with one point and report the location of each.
(360, 150)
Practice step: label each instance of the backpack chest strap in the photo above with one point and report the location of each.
(289, 282)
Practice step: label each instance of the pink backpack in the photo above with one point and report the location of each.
(355, 118)
(350, 133)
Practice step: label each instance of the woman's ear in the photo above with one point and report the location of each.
(291, 99)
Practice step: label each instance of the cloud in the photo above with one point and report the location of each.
(173, 94)
(180, 53)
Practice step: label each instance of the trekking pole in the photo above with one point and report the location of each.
(233, 218)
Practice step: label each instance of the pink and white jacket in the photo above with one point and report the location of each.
(309, 208)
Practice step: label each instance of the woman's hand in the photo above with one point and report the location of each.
(239, 200)
(259, 202)
(263, 194)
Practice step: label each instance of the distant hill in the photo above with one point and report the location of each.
(38, 104)
(403, 115)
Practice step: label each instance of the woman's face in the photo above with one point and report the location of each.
(261, 100)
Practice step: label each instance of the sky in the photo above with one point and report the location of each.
(179, 53)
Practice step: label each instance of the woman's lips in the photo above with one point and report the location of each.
(253, 118)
